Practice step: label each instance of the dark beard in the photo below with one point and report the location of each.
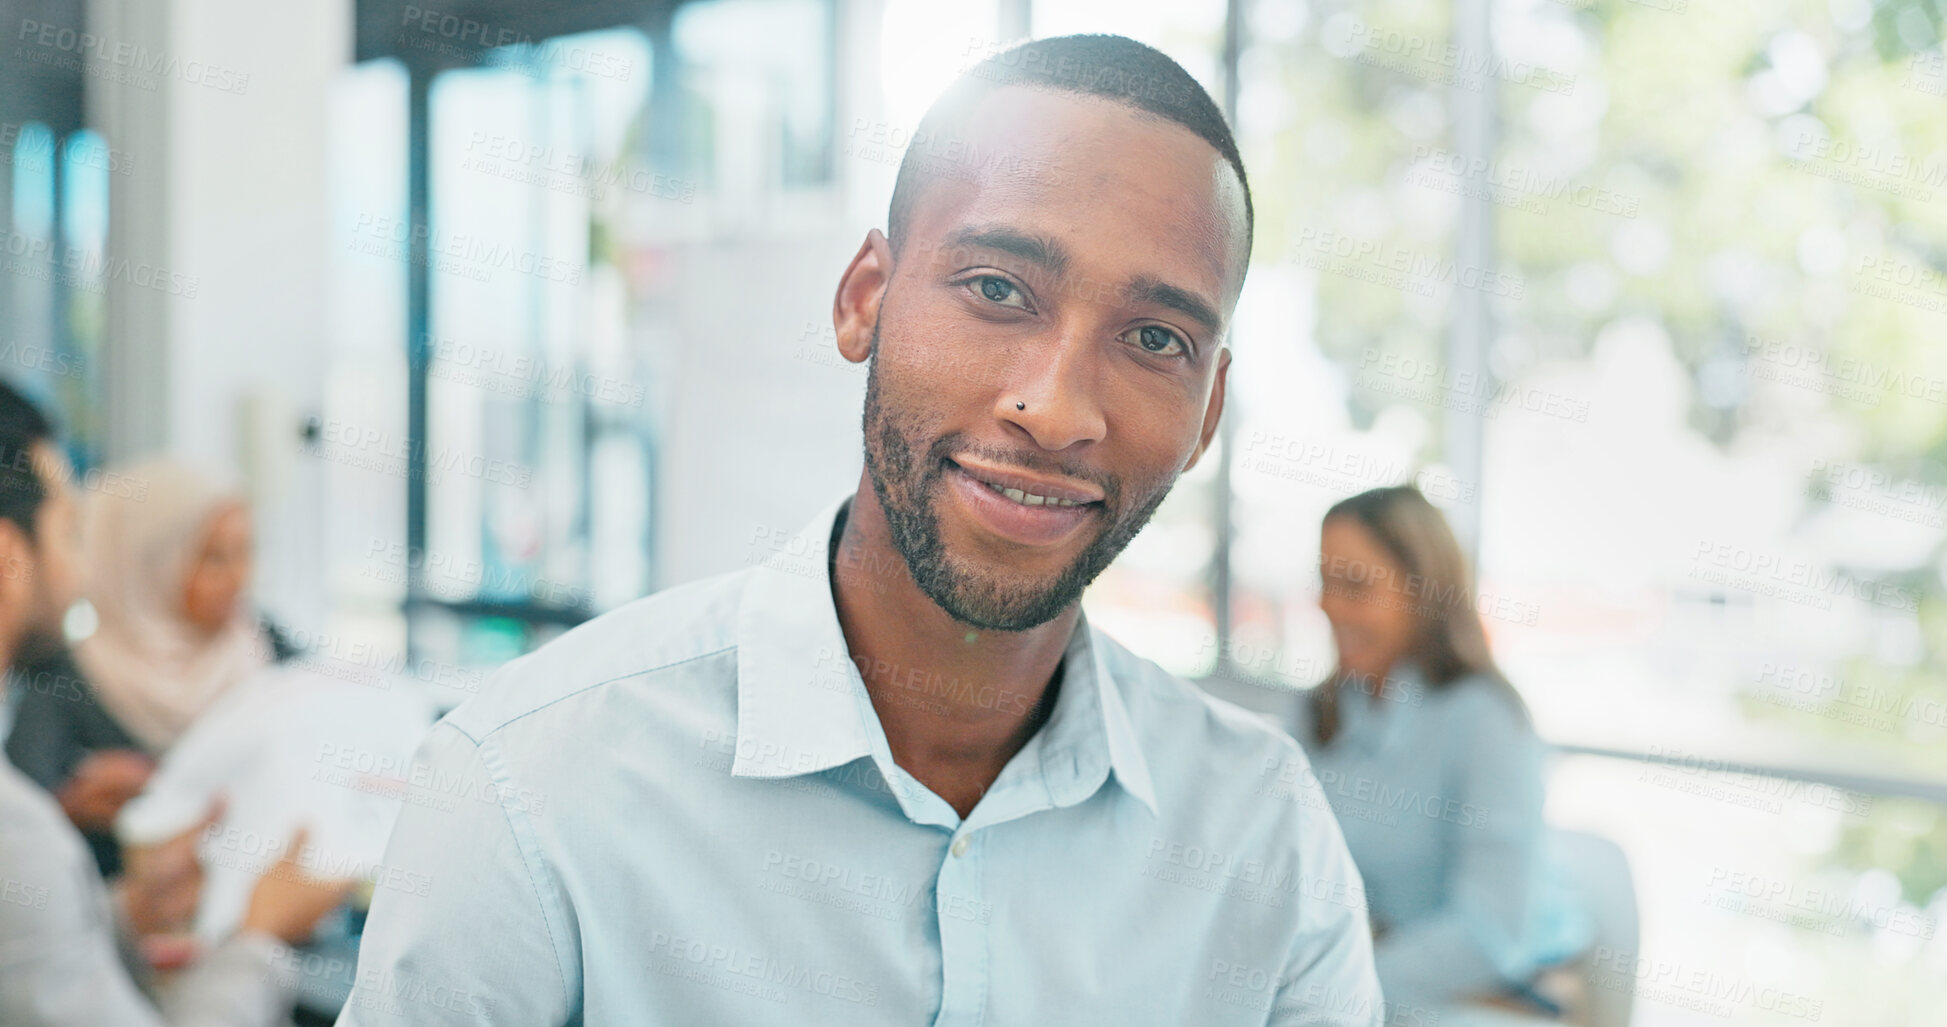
(908, 486)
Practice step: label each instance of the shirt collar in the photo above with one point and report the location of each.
(802, 708)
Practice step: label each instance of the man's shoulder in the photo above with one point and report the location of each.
(37, 844)
(658, 633)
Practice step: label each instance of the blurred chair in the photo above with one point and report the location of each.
(1591, 996)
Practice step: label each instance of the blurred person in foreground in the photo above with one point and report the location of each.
(893, 776)
(1428, 757)
(166, 564)
(73, 954)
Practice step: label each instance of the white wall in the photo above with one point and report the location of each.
(761, 416)
(232, 196)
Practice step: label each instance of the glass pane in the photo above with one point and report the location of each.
(1346, 306)
(1778, 906)
(1724, 501)
(757, 96)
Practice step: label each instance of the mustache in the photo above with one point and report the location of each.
(948, 447)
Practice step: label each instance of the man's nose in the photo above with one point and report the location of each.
(1055, 399)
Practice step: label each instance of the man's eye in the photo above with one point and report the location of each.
(1159, 340)
(1001, 291)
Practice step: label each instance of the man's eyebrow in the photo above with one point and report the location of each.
(1035, 249)
(1144, 289)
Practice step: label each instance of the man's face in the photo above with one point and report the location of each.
(1047, 356)
(55, 577)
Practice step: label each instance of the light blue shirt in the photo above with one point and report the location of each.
(685, 812)
(1439, 793)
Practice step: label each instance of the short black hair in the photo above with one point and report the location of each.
(1113, 67)
(22, 426)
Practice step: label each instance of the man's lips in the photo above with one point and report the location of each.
(1045, 512)
(1028, 488)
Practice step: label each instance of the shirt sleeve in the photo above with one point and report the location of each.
(1329, 979)
(1473, 943)
(60, 964)
(473, 931)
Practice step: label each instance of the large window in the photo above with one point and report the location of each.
(1648, 297)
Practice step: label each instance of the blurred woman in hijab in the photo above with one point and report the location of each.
(166, 574)
(166, 562)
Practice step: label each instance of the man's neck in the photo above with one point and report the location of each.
(956, 702)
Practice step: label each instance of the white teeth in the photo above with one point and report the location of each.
(1030, 499)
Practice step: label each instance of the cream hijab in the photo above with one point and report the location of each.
(153, 669)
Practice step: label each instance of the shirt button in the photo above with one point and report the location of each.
(960, 846)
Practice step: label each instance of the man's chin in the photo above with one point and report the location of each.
(1001, 599)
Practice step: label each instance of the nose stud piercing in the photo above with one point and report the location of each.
(1018, 405)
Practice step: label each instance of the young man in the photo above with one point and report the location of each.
(903, 781)
(67, 946)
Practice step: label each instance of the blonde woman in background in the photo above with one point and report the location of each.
(167, 566)
(1428, 757)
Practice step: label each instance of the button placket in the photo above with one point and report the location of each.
(963, 935)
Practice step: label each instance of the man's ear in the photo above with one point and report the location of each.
(855, 309)
(1215, 410)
